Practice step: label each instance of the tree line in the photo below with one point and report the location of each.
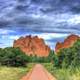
(67, 57)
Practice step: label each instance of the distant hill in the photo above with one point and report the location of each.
(68, 42)
(32, 46)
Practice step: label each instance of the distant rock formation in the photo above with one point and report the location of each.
(32, 46)
(68, 42)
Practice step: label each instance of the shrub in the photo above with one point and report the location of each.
(13, 57)
(70, 57)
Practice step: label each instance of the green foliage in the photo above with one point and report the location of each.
(42, 59)
(12, 57)
(63, 73)
(53, 58)
(70, 57)
(76, 56)
(15, 57)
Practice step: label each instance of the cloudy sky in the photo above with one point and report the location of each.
(51, 20)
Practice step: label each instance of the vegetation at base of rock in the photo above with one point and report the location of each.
(47, 59)
(12, 57)
(70, 57)
(15, 57)
(67, 57)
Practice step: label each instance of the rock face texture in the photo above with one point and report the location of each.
(68, 42)
(32, 46)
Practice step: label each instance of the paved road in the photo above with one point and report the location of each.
(38, 73)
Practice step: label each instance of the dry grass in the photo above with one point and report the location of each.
(12, 73)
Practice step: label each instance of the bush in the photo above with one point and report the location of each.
(12, 57)
(15, 57)
(42, 59)
(70, 57)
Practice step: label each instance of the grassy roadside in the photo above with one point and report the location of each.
(13, 73)
(63, 74)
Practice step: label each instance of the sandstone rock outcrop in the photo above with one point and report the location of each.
(68, 42)
(32, 46)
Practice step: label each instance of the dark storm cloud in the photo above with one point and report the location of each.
(58, 5)
(4, 23)
(20, 17)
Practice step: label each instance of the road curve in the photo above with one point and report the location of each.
(38, 73)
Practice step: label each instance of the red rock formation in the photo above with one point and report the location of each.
(32, 46)
(58, 46)
(68, 42)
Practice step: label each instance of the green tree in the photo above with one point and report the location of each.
(70, 57)
(13, 57)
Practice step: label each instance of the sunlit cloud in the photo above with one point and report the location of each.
(48, 36)
(74, 20)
